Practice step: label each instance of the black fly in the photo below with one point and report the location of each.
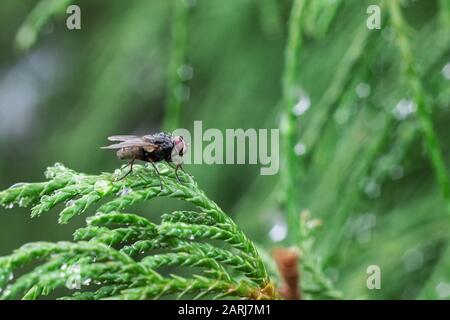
(150, 148)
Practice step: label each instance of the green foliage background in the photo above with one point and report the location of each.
(378, 184)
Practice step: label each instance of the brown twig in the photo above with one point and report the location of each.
(287, 263)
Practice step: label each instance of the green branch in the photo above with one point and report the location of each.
(29, 31)
(115, 249)
(423, 110)
(288, 125)
(176, 87)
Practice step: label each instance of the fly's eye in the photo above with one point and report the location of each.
(183, 148)
(179, 145)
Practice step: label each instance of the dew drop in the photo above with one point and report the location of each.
(313, 224)
(182, 92)
(446, 71)
(363, 236)
(443, 290)
(22, 202)
(186, 72)
(373, 190)
(124, 192)
(300, 149)
(102, 186)
(59, 165)
(404, 109)
(360, 226)
(18, 185)
(190, 3)
(362, 90)
(396, 172)
(162, 169)
(342, 115)
(279, 231)
(302, 105)
(50, 174)
(388, 34)
(72, 285)
(79, 178)
(413, 260)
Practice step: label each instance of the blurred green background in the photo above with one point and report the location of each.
(366, 173)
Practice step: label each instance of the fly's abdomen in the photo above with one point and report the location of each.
(129, 153)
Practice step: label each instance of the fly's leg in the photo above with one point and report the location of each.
(185, 171)
(131, 163)
(176, 167)
(176, 172)
(159, 175)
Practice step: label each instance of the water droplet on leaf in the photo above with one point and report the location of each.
(18, 185)
(186, 72)
(102, 186)
(413, 260)
(446, 71)
(22, 202)
(59, 165)
(404, 109)
(443, 290)
(396, 172)
(362, 90)
(300, 149)
(302, 105)
(373, 190)
(279, 231)
(190, 3)
(124, 192)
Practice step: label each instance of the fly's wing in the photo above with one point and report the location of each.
(130, 142)
(123, 138)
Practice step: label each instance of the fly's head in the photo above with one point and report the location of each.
(179, 149)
